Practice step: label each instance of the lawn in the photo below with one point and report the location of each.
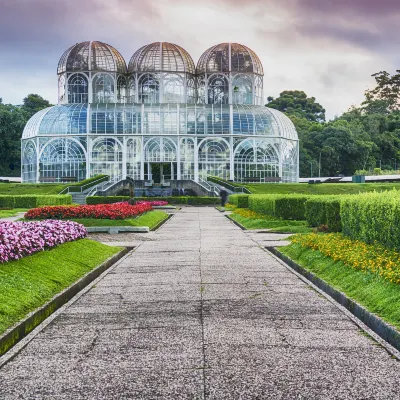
(372, 291)
(324, 188)
(11, 213)
(257, 221)
(150, 219)
(30, 282)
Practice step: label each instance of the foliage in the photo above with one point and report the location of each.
(239, 200)
(5, 213)
(324, 210)
(88, 183)
(356, 254)
(105, 199)
(155, 203)
(375, 293)
(373, 217)
(195, 200)
(21, 239)
(27, 201)
(296, 103)
(30, 282)
(31, 188)
(99, 211)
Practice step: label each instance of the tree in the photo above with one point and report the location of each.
(34, 103)
(296, 103)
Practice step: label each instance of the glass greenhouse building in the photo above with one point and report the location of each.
(160, 118)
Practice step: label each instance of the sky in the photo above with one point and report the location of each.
(327, 48)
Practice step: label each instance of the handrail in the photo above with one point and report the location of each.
(235, 189)
(78, 189)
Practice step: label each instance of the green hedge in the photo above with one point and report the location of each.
(371, 217)
(171, 200)
(262, 203)
(239, 200)
(324, 210)
(27, 201)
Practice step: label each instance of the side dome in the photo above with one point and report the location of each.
(91, 56)
(161, 57)
(229, 57)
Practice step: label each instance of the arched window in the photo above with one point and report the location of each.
(201, 90)
(103, 88)
(61, 89)
(106, 157)
(173, 89)
(78, 89)
(213, 156)
(132, 90)
(121, 90)
(218, 90)
(242, 90)
(258, 91)
(191, 91)
(149, 89)
(29, 163)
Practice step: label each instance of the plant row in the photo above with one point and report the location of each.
(20, 239)
(182, 200)
(100, 211)
(31, 201)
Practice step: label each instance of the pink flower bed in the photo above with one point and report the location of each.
(153, 203)
(20, 239)
(99, 211)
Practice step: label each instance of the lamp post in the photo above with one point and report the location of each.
(311, 168)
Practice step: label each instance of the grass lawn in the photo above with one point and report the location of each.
(11, 213)
(281, 226)
(324, 188)
(150, 219)
(376, 294)
(30, 282)
(30, 188)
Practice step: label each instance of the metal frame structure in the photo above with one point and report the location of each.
(161, 110)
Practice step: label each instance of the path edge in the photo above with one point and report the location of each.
(384, 330)
(22, 328)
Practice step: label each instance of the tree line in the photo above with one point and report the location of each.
(365, 138)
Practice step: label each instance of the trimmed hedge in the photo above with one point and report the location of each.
(239, 200)
(324, 210)
(27, 201)
(194, 201)
(373, 217)
(286, 206)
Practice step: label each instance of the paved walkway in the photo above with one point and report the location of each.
(201, 312)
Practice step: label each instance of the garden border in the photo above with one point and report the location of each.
(237, 223)
(382, 329)
(22, 328)
(160, 224)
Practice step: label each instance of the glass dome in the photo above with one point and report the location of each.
(161, 57)
(91, 56)
(229, 57)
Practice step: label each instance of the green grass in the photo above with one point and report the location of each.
(281, 226)
(150, 219)
(373, 292)
(32, 281)
(324, 188)
(11, 213)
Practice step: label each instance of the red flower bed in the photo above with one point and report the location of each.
(99, 211)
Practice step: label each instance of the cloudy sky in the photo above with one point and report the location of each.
(328, 48)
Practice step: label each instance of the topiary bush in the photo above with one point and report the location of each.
(324, 210)
(291, 206)
(262, 203)
(33, 201)
(239, 200)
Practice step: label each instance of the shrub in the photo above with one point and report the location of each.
(171, 200)
(31, 201)
(201, 201)
(324, 210)
(106, 199)
(239, 200)
(372, 217)
(291, 207)
(262, 203)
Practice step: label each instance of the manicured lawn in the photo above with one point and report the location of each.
(30, 282)
(373, 292)
(324, 188)
(150, 219)
(30, 188)
(268, 222)
(11, 213)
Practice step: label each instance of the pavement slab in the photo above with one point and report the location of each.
(199, 310)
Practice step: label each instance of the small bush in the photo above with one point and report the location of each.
(181, 200)
(92, 200)
(239, 200)
(291, 207)
(27, 201)
(263, 203)
(324, 210)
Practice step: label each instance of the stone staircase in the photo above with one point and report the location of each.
(78, 198)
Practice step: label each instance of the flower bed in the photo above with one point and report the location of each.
(153, 203)
(354, 253)
(99, 211)
(20, 239)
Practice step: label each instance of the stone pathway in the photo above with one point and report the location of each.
(201, 312)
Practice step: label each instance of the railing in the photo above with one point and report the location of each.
(105, 186)
(210, 188)
(83, 188)
(233, 188)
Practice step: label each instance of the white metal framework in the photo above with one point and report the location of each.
(160, 111)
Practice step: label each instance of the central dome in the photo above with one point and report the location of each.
(91, 56)
(161, 57)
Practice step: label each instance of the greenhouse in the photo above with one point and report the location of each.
(159, 119)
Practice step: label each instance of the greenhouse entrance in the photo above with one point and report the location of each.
(160, 173)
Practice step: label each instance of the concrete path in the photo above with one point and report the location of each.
(201, 312)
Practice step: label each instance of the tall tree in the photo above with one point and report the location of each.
(296, 103)
(34, 103)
